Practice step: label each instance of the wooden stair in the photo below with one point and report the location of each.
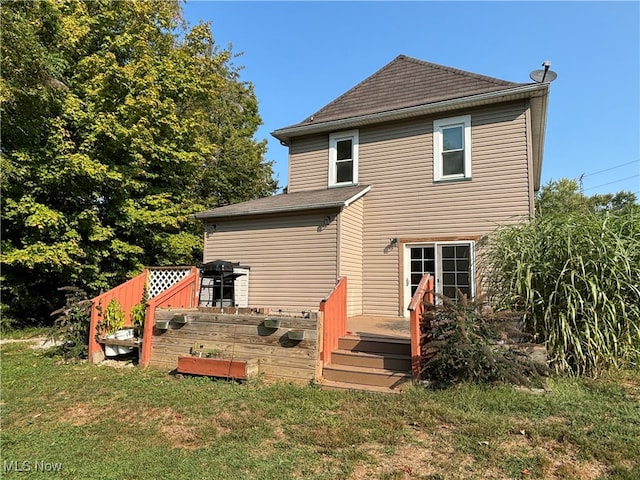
(369, 363)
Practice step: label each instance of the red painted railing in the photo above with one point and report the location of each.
(424, 295)
(334, 309)
(128, 294)
(183, 294)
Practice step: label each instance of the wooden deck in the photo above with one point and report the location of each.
(379, 326)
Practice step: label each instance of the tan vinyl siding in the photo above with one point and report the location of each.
(292, 257)
(351, 254)
(309, 163)
(295, 265)
(405, 203)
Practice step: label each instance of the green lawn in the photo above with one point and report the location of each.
(100, 422)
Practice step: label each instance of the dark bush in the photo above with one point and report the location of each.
(469, 343)
(71, 324)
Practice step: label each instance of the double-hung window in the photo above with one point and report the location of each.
(452, 148)
(343, 158)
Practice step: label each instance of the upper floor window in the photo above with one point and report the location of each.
(452, 148)
(343, 158)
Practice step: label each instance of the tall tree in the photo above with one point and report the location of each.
(118, 123)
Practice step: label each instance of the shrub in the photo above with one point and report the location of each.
(576, 277)
(471, 344)
(71, 325)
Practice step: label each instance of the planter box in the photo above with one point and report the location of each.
(271, 322)
(181, 318)
(217, 367)
(162, 324)
(296, 334)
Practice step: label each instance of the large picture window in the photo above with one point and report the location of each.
(452, 148)
(343, 158)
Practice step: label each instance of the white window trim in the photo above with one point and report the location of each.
(334, 138)
(438, 126)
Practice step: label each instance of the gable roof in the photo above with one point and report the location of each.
(408, 87)
(290, 202)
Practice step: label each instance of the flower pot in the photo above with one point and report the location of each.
(124, 334)
(109, 350)
(181, 318)
(296, 334)
(162, 324)
(271, 322)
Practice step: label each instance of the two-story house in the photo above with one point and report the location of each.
(399, 176)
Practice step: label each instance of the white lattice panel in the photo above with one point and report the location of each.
(162, 278)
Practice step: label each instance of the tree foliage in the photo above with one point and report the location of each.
(574, 270)
(563, 196)
(118, 123)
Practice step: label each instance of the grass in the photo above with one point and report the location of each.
(25, 333)
(106, 423)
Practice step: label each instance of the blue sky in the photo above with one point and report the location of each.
(302, 55)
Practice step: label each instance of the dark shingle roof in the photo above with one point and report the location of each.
(406, 82)
(290, 202)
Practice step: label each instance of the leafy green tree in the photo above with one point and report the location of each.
(118, 123)
(563, 196)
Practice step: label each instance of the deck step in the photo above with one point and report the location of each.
(375, 344)
(388, 361)
(365, 376)
(332, 385)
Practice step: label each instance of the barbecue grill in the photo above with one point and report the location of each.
(217, 283)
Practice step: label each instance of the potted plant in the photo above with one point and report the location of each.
(112, 322)
(138, 313)
(213, 353)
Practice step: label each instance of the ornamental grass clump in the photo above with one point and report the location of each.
(576, 277)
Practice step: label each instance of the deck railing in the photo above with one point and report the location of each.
(183, 294)
(334, 313)
(423, 297)
(130, 293)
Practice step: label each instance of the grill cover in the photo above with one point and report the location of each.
(216, 267)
